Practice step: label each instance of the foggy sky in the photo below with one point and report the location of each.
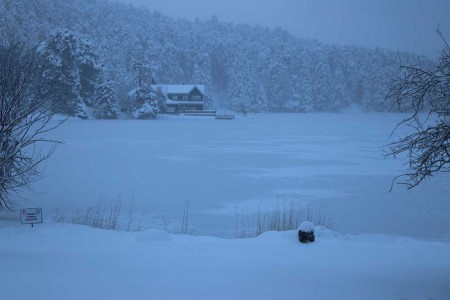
(396, 24)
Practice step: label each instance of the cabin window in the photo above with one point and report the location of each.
(174, 97)
(185, 97)
(170, 109)
(196, 98)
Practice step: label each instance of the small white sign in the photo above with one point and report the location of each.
(31, 215)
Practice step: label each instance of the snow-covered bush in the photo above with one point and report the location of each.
(306, 232)
(306, 226)
(144, 103)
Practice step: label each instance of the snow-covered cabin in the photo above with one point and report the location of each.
(180, 98)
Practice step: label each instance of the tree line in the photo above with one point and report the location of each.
(96, 50)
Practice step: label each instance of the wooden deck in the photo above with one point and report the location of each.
(225, 117)
(202, 113)
(207, 113)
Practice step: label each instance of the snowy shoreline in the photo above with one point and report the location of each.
(62, 261)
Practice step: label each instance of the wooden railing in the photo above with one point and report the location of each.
(225, 117)
(211, 113)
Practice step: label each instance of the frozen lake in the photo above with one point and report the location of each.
(226, 167)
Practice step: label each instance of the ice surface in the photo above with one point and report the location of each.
(224, 167)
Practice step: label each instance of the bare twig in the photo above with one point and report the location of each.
(425, 91)
(25, 115)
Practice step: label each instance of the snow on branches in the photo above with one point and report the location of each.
(424, 89)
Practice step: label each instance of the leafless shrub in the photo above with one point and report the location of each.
(103, 216)
(318, 217)
(283, 217)
(141, 219)
(25, 115)
(57, 218)
(130, 215)
(166, 222)
(185, 219)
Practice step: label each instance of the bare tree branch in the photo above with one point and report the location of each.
(424, 90)
(25, 115)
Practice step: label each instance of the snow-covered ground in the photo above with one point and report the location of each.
(224, 167)
(62, 261)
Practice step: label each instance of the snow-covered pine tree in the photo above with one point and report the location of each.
(169, 61)
(143, 99)
(90, 68)
(72, 65)
(322, 91)
(278, 80)
(144, 103)
(62, 71)
(246, 89)
(340, 93)
(303, 84)
(199, 76)
(241, 87)
(259, 102)
(105, 100)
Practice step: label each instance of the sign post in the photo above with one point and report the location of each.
(31, 216)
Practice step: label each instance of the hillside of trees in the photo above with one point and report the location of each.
(104, 56)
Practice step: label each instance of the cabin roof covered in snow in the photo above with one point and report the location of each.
(178, 88)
